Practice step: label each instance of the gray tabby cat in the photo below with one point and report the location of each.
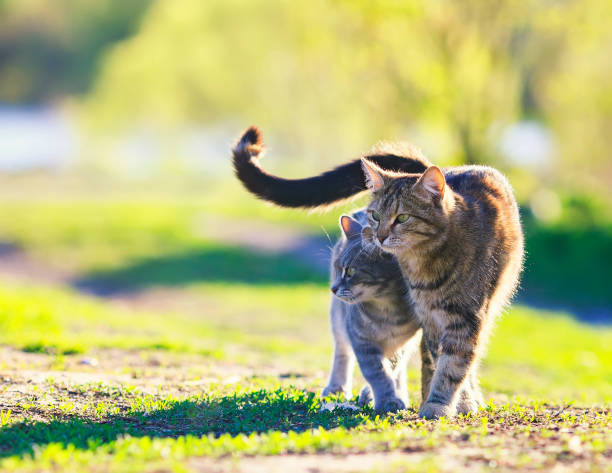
(372, 320)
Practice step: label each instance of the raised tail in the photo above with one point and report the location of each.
(330, 187)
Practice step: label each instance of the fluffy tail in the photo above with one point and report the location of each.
(328, 188)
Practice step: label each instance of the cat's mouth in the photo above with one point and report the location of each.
(389, 245)
(386, 245)
(346, 296)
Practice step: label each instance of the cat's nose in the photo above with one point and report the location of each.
(334, 289)
(381, 238)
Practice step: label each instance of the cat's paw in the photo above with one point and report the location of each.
(391, 404)
(467, 405)
(434, 410)
(477, 396)
(365, 396)
(335, 389)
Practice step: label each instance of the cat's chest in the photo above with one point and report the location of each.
(388, 329)
(424, 303)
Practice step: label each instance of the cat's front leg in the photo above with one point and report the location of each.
(400, 376)
(457, 355)
(340, 381)
(377, 371)
(427, 368)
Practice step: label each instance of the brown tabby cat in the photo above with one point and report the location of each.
(458, 239)
(456, 234)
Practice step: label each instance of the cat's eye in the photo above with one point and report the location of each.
(350, 272)
(375, 215)
(401, 218)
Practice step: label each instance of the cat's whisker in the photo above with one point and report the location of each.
(331, 243)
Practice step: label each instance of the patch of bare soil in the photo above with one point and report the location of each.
(30, 378)
(16, 265)
(264, 237)
(259, 237)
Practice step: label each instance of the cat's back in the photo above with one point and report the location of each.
(491, 224)
(488, 198)
(479, 182)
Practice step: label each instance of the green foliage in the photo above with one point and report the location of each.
(332, 78)
(566, 257)
(364, 70)
(565, 265)
(53, 49)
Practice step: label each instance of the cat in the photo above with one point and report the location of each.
(457, 236)
(372, 320)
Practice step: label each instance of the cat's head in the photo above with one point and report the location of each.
(361, 274)
(407, 211)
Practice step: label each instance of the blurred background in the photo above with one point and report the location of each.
(116, 121)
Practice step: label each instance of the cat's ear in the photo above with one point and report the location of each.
(350, 227)
(432, 181)
(373, 175)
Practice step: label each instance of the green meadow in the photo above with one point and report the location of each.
(154, 338)
(155, 317)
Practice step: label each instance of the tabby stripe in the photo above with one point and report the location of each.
(427, 221)
(467, 316)
(422, 233)
(368, 351)
(463, 354)
(461, 326)
(454, 379)
(393, 191)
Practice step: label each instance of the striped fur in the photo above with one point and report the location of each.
(458, 239)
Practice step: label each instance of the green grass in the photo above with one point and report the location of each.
(555, 356)
(206, 350)
(172, 233)
(240, 321)
(129, 431)
(85, 232)
(549, 356)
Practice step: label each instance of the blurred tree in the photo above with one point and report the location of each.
(335, 76)
(575, 93)
(52, 49)
(365, 70)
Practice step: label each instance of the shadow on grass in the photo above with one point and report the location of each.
(209, 264)
(254, 412)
